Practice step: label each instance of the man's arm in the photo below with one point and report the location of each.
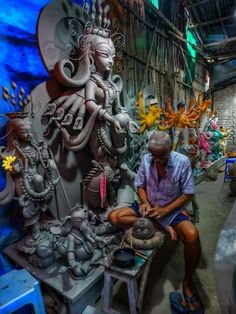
(145, 205)
(160, 212)
(143, 196)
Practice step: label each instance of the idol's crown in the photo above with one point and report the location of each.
(99, 24)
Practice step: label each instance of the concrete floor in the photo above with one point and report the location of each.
(166, 272)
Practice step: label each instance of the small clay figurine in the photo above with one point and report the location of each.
(80, 244)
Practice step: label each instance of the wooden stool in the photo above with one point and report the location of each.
(130, 276)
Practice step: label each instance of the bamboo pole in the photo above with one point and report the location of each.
(189, 73)
(149, 55)
(164, 19)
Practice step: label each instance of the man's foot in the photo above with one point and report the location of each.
(191, 297)
(194, 302)
(177, 306)
(173, 234)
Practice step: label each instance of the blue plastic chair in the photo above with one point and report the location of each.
(19, 288)
(230, 160)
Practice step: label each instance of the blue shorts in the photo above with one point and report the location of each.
(182, 216)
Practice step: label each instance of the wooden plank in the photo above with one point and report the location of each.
(133, 295)
(107, 292)
(142, 285)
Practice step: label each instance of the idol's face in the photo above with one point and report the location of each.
(104, 57)
(182, 109)
(24, 135)
(23, 129)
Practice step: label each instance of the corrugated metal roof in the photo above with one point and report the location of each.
(224, 73)
(213, 18)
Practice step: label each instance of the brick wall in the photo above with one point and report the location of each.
(225, 104)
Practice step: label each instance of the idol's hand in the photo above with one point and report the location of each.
(108, 240)
(66, 101)
(117, 127)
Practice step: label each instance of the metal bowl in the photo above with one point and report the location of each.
(124, 257)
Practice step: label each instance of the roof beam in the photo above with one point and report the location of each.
(202, 14)
(222, 58)
(211, 22)
(223, 55)
(164, 19)
(222, 43)
(197, 3)
(199, 49)
(187, 13)
(220, 15)
(193, 9)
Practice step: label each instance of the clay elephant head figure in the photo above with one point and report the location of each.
(80, 242)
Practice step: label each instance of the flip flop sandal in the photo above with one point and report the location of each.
(191, 300)
(176, 304)
(177, 307)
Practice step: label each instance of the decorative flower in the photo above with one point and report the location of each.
(7, 163)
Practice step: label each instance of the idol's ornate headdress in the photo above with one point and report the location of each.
(96, 22)
(99, 22)
(62, 23)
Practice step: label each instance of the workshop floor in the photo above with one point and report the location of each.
(166, 272)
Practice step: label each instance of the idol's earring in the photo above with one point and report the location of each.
(92, 66)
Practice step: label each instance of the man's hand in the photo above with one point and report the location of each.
(156, 212)
(144, 208)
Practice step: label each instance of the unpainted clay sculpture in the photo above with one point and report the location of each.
(143, 229)
(32, 175)
(89, 110)
(80, 243)
(100, 186)
(143, 235)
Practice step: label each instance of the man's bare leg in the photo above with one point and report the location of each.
(123, 217)
(192, 251)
